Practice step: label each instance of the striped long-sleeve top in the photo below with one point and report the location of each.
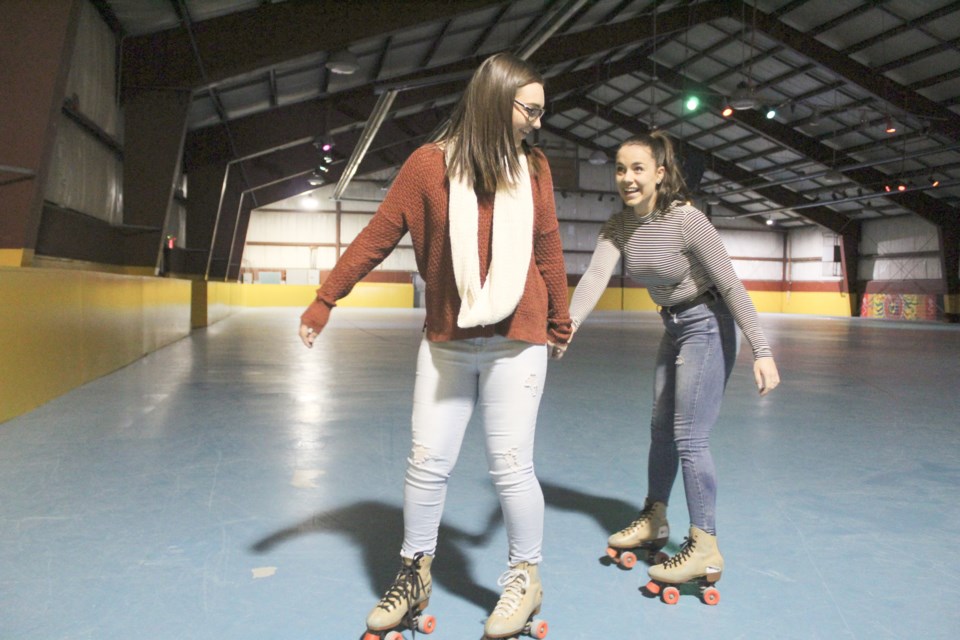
(677, 254)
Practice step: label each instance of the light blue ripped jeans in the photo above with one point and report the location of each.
(503, 379)
(697, 353)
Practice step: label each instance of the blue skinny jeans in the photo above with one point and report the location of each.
(696, 355)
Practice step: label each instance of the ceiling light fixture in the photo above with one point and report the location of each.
(325, 143)
(343, 62)
(743, 97)
(890, 127)
(833, 176)
(597, 158)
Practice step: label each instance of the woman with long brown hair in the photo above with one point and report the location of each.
(479, 208)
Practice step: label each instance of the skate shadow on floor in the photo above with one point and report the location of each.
(611, 514)
(377, 529)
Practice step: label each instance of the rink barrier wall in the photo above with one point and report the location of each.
(61, 328)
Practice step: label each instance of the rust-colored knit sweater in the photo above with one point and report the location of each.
(418, 202)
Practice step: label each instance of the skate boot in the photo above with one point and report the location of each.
(698, 561)
(403, 604)
(520, 601)
(649, 533)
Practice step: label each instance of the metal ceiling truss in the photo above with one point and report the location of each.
(611, 42)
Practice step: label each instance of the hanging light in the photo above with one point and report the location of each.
(597, 158)
(771, 113)
(743, 97)
(833, 176)
(890, 127)
(934, 182)
(343, 62)
(727, 111)
(325, 143)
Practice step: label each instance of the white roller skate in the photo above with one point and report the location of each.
(402, 606)
(698, 561)
(520, 602)
(647, 534)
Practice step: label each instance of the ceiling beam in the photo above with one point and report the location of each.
(943, 120)
(250, 41)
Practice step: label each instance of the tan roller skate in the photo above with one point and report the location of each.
(648, 533)
(401, 607)
(698, 561)
(520, 602)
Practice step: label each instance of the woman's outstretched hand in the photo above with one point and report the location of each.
(766, 374)
(307, 335)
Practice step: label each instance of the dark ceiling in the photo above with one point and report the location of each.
(838, 72)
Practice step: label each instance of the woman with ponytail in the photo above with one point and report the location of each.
(670, 247)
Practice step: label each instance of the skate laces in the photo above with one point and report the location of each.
(515, 583)
(408, 586)
(686, 550)
(645, 516)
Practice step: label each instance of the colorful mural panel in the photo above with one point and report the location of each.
(901, 306)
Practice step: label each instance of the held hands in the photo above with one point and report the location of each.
(766, 375)
(556, 351)
(307, 335)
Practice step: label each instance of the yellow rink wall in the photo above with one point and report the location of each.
(364, 294)
(793, 302)
(62, 328)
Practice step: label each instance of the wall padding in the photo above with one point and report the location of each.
(60, 329)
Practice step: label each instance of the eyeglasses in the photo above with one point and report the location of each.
(532, 112)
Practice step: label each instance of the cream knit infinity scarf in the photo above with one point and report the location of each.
(512, 246)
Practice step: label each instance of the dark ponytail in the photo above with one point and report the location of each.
(673, 186)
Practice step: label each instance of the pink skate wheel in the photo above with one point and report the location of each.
(370, 636)
(539, 628)
(711, 596)
(671, 595)
(628, 560)
(427, 624)
(653, 587)
(393, 635)
(612, 553)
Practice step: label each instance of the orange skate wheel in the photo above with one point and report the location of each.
(653, 587)
(393, 635)
(671, 595)
(427, 624)
(628, 559)
(370, 636)
(539, 628)
(612, 553)
(711, 596)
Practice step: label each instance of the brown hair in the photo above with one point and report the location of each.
(480, 143)
(673, 186)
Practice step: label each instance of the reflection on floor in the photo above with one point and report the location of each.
(237, 485)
